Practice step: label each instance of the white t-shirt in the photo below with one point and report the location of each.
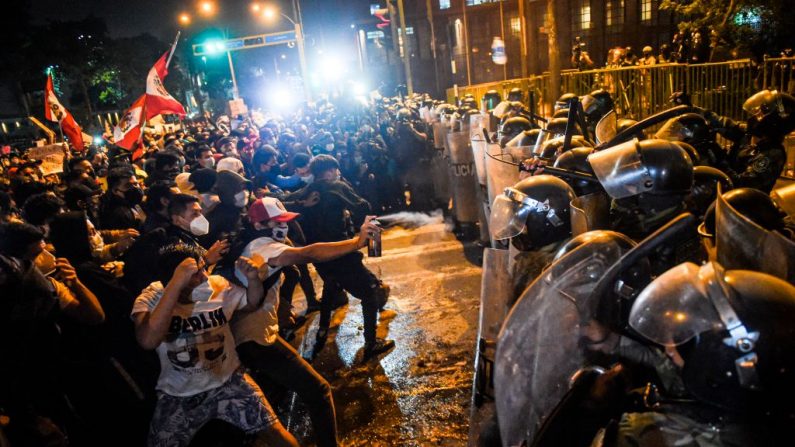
(198, 353)
(262, 324)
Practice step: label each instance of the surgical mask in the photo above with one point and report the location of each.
(97, 245)
(208, 199)
(329, 147)
(308, 178)
(241, 199)
(337, 177)
(200, 226)
(207, 162)
(279, 233)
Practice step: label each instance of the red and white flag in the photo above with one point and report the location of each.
(128, 131)
(55, 112)
(158, 100)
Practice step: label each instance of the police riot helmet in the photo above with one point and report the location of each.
(516, 94)
(732, 329)
(470, 103)
(577, 160)
(752, 203)
(772, 114)
(554, 146)
(557, 126)
(604, 237)
(565, 100)
(403, 115)
(649, 167)
(596, 104)
(625, 123)
(561, 113)
(691, 128)
(511, 127)
(529, 137)
(490, 99)
(533, 213)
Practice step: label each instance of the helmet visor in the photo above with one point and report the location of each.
(673, 130)
(588, 103)
(675, 307)
(508, 218)
(756, 104)
(621, 171)
(607, 127)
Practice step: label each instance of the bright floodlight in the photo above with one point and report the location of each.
(359, 88)
(214, 46)
(98, 141)
(256, 7)
(269, 12)
(332, 68)
(184, 19)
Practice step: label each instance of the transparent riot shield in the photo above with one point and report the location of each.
(741, 244)
(590, 212)
(479, 146)
(495, 296)
(462, 177)
(537, 348)
(501, 172)
(607, 127)
(439, 135)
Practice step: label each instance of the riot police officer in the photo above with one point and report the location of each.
(757, 156)
(534, 215)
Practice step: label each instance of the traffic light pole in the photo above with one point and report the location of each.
(235, 92)
(299, 40)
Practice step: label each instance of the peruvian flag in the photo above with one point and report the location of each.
(158, 100)
(128, 131)
(55, 112)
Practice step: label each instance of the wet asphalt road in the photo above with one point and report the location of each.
(419, 393)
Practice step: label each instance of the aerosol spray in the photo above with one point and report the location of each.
(374, 242)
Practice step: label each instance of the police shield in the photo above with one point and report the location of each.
(478, 141)
(607, 127)
(741, 244)
(590, 212)
(462, 177)
(785, 198)
(501, 171)
(439, 132)
(538, 348)
(495, 295)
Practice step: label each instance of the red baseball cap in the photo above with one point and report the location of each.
(269, 208)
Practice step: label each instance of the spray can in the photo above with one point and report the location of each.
(374, 243)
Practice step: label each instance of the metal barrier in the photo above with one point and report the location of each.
(640, 91)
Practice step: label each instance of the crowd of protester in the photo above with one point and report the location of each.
(147, 294)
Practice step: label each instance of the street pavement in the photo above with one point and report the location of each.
(419, 393)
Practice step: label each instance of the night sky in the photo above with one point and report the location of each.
(127, 18)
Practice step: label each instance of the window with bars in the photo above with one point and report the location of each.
(646, 7)
(516, 26)
(615, 12)
(581, 17)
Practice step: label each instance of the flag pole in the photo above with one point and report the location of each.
(173, 48)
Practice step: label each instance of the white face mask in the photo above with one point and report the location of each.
(207, 162)
(308, 178)
(97, 245)
(279, 233)
(200, 226)
(241, 199)
(329, 147)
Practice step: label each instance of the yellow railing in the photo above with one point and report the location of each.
(640, 91)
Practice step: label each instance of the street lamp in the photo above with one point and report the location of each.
(269, 13)
(184, 19)
(207, 7)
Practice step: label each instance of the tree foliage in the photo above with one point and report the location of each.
(755, 26)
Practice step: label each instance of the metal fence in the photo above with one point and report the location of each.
(640, 91)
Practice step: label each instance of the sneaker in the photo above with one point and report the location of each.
(379, 346)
